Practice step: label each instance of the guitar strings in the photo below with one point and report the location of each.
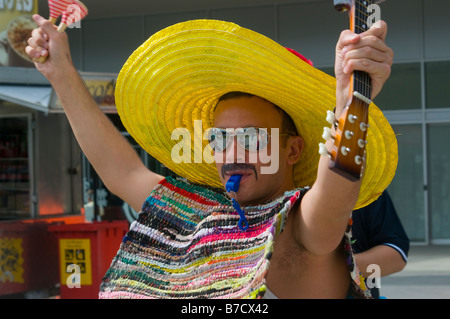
(362, 79)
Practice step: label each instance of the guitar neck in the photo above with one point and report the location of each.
(359, 23)
(348, 152)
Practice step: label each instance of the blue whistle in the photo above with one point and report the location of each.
(232, 186)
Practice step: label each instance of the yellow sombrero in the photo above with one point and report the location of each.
(174, 80)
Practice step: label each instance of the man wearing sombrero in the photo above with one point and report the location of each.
(232, 93)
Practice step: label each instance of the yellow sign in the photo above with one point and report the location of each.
(11, 261)
(75, 262)
(101, 89)
(15, 28)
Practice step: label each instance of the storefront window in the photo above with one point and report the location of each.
(14, 168)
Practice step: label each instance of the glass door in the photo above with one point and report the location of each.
(407, 188)
(439, 182)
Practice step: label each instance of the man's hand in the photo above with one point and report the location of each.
(45, 41)
(366, 52)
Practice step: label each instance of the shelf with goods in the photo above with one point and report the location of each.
(14, 168)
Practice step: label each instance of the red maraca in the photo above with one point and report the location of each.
(57, 7)
(72, 14)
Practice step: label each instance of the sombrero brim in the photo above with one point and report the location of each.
(178, 74)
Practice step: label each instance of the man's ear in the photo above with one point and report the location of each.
(295, 147)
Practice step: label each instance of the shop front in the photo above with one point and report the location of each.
(46, 184)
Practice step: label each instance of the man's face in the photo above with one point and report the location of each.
(256, 187)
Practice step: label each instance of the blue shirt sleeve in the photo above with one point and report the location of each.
(379, 224)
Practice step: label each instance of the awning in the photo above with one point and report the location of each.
(28, 88)
(37, 98)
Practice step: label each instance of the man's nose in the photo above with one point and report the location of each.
(235, 153)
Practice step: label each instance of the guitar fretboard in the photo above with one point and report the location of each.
(361, 80)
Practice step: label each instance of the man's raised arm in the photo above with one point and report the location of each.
(108, 151)
(327, 207)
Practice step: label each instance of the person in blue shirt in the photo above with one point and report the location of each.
(380, 239)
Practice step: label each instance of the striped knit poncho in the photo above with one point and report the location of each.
(186, 243)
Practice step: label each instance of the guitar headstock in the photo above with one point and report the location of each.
(348, 151)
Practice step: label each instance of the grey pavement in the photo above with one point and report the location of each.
(426, 276)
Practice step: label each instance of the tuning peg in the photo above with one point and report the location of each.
(323, 150)
(331, 118)
(352, 118)
(363, 126)
(345, 150)
(348, 134)
(362, 143)
(326, 133)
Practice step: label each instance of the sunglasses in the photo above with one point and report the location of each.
(250, 138)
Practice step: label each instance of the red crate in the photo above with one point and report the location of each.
(85, 254)
(28, 257)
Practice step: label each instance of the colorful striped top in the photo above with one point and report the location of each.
(186, 243)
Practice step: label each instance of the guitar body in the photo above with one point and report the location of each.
(348, 152)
